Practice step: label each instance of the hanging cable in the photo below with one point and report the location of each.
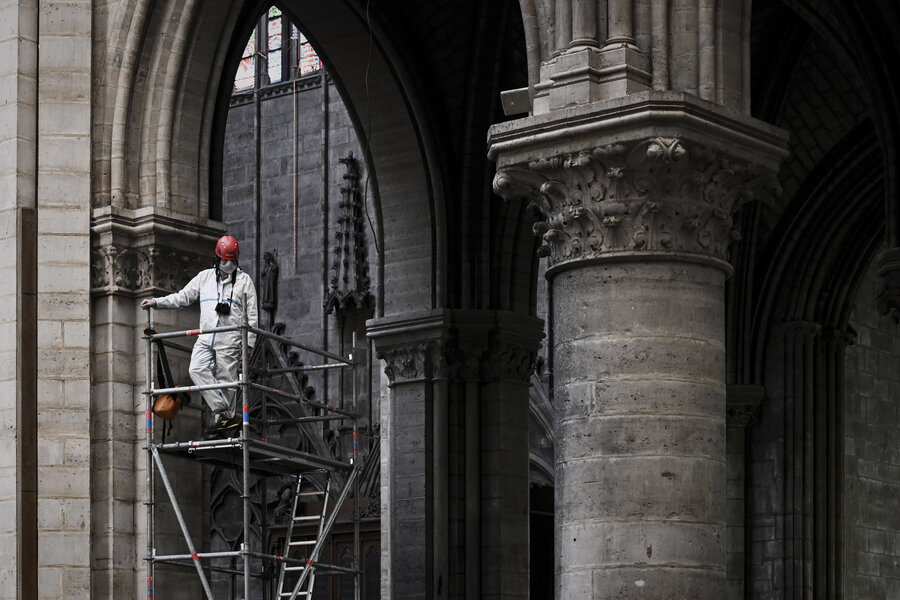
(368, 131)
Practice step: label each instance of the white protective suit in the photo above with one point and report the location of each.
(216, 356)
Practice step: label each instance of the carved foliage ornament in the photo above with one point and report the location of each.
(119, 268)
(450, 359)
(404, 362)
(661, 195)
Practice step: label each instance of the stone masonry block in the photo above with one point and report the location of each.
(658, 584)
(64, 481)
(62, 549)
(64, 117)
(652, 487)
(68, 154)
(51, 514)
(64, 278)
(58, 187)
(49, 334)
(634, 435)
(76, 334)
(653, 543)
(61, 364)
(77, 514)
(50, 391)
(76, 452)
(65, 53)
(50, 582)
(7, 452)
(77, 392)
(50, 453)
(641, 358)
(63, 307)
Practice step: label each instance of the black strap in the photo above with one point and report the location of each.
(168, 380)
(164, 373)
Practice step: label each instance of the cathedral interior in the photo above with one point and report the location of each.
(621, 279)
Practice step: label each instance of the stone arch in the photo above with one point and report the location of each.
(866, 37)
(828, 240)
(163, 77)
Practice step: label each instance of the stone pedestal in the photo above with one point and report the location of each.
(633, 201)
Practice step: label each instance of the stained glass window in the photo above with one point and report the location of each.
(244, 79)
(274, 39)
(309, 60)
(273, 55)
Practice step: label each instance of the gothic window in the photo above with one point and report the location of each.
(274, 44)
(309, 60)
(271, 57)
(246, 73)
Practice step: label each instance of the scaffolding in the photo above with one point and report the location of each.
(300, 559)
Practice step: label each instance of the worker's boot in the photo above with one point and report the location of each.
(223, 427)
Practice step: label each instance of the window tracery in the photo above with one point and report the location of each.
(270, 56)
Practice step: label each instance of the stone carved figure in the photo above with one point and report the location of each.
(269, 288)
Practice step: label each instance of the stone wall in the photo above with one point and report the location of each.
(64, 424)
(45, 130)
(18, 111)
(872, 452)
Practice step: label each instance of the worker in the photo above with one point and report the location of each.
(222, 292)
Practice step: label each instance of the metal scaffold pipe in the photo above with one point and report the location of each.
(184, 530)
(260, 457)
(296, 344)
(245, 438)
(356, 465)
(148, 349)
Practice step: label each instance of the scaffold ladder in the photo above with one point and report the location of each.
(302, 548)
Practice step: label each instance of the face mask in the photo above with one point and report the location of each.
(227, 266)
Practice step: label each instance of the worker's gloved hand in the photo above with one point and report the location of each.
(148, 303)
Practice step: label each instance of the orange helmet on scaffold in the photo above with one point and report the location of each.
(227, 248)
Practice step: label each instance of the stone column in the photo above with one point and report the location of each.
(136, 254)
(18, 302)
(742, 406)
(506, 367)
(634, 201)
(412, 566)
(455, 453)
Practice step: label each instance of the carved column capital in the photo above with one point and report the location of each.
(457, 345)
(139, 253)
(655, 173)
(651, 195)
(404, 363)
(507, 361)
(742, 406)
(415, 347)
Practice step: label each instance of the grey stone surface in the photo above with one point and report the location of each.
(640, 487)
(871, 460)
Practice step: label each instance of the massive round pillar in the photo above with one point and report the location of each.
(633, 201)
(639, 385)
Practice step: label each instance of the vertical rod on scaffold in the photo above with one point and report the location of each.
(148, 373)
(354, 372)
(195, 558)
(245, 443)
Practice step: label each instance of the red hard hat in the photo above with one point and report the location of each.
(227, 248)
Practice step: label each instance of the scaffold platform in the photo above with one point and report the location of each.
(249, 452)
